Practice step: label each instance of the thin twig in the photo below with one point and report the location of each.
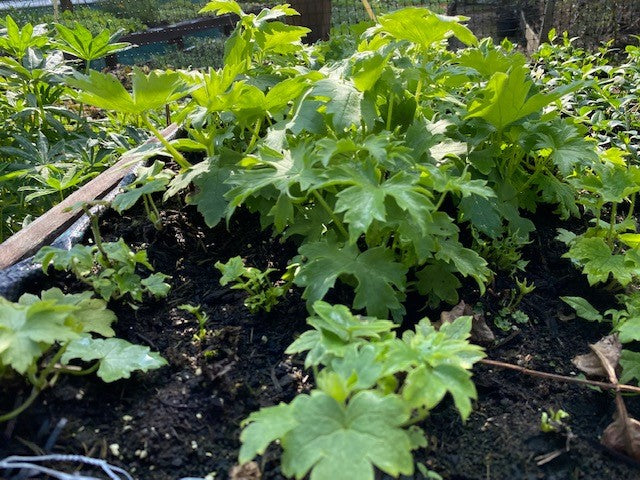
(560, 378)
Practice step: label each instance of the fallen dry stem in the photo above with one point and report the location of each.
(561, 378)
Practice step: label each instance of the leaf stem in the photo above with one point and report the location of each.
(86, 371)
(612, 224)
(631, 207)
(441, 200)
(35, 391)
(95, 230)
(334, 217)
(255, 136)
(177, 156)
(390, 111)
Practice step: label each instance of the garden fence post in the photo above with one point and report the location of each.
(314, 14)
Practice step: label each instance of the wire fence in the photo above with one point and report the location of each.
(592, 21)
(522, 21)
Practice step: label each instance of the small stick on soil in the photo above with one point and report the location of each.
(560, 378)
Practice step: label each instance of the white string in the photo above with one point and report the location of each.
(31, 464)
(113, 472)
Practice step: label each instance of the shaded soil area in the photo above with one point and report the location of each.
(184, 420)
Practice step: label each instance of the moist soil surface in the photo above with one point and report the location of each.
(184, 419)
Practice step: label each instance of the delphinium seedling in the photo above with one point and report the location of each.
(202, 317)
(263, 294)
(110, 268)
(373, 388)
(510, 312)
(554, 420)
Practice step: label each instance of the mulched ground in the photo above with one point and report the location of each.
(184, 420)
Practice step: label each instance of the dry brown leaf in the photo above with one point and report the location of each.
(623, 435)
(247, 471)
(610, 347)
(480, 331)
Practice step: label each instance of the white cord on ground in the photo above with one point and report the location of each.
(31, 465)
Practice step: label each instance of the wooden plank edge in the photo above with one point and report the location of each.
(52, 223)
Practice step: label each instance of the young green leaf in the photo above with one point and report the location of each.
(583, 308)
(80, 42)
(29, 328)
(336, 329)
(150, 92)
(630, 363)
(598, 261)
(380, 279)
(118, 358)
(506, 98)
(424, 28)
(333, 441)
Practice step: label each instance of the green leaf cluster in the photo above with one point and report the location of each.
(110, 268)
(262, 293)
(372, 389)
(40, 336)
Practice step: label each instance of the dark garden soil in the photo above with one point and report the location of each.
(184, 420)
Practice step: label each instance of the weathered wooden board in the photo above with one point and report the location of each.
(48, 226)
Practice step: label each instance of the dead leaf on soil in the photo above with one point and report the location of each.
(480, 331)
(623, 435)
(247, 471)
(610, 347)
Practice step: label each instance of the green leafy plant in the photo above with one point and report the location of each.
(372, 391)
(149, 180)
(625, 322)
(554, 421)
(110, 268)
(47, 149)
(79, 42)
(510, 313)
(40, 337)
(149, 92)
(201, 316)
(263, 294)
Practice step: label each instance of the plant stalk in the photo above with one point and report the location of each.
(177, 156)
(612, 224)
(86, 371)
(560, 378)
(334, 217)
(255, 135)
(390, 111)
(35, 391)
(95, 230)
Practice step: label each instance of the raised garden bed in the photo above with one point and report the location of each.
(403, 233)
(184, 420)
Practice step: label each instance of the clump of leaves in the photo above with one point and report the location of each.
(372, 389)
(81, 43)
(625, 323)
(553, 420)
(510, 312)
(149, 180)
(263, 294)
(110, 268)
(40, 337)
(149, 92)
